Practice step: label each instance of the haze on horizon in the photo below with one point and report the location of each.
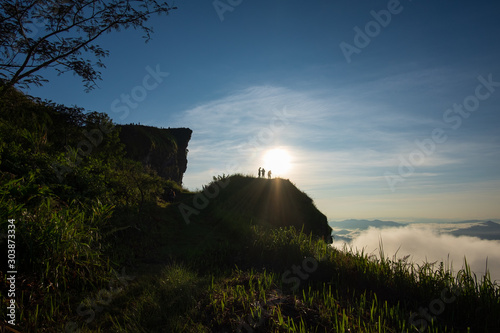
(428, 243)
(376, 114)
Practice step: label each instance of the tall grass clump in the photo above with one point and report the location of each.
(279, 248)
(151, 303)
(62, 244)
(59, 248)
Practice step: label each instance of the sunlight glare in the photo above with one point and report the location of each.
(278, 161)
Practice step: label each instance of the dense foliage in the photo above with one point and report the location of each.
(72, 193)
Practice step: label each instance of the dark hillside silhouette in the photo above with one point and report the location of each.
(276, 202)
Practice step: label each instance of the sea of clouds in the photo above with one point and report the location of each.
(426, 244)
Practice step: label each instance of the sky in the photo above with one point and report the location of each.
(376, 109)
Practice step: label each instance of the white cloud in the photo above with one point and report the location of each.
(342, 145)
(424, 244)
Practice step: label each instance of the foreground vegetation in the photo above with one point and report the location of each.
(102, 247)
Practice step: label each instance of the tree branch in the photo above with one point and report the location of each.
(88, 18)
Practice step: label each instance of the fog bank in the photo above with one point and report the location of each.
(427, 245)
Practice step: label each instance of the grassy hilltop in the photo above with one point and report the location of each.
(271, 202)
(104, 243)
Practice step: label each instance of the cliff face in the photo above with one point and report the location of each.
(165, 150)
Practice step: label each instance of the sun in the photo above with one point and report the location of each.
(277, 161)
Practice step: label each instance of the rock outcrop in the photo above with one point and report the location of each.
(163, 149)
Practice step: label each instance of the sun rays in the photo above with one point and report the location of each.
(277, 160)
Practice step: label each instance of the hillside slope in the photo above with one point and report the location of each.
(273, 202)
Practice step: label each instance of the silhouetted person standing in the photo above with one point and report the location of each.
(259, 171)
(263, 173)
(269, 174)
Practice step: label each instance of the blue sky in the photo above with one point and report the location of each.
(373, 134)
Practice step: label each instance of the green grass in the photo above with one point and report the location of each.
(223, 273)
(334, 298)
(103, 249)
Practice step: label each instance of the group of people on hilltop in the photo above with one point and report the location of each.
(262, 172)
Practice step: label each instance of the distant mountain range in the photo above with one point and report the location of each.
(365, 224)
(484, 230)
(348, 229)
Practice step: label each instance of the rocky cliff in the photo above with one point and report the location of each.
(163, 149)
